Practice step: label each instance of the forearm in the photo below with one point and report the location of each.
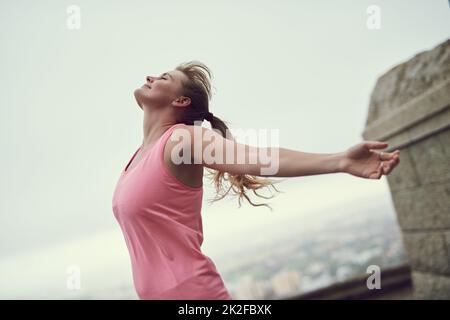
(294, 163)
(274, 162)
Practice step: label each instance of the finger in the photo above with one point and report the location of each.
(396, 162)
(384, 168)
(375, 144)
(396, 153)
(387, 168)
(385, 156)
(390, 166)
(379, 172)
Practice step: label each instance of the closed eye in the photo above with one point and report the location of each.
(165, 74)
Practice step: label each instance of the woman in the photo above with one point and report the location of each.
(157, 200)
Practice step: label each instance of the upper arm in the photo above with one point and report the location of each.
(212, 150)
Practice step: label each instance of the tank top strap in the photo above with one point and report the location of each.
(166, 136)
(163, 140)
(162, 166)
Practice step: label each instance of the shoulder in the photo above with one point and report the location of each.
(198, 135)
(193, 137)
(183, 138)
(190, 133)
(195, 132)
(190, 128)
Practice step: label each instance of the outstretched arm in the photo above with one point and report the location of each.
(362, 160)
(293, 163)
(213, 151)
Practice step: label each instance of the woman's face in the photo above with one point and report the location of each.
(160, 91)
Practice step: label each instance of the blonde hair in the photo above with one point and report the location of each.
(198, 89)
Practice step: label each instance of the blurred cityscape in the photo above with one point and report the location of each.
(306, 259)
(335, 252)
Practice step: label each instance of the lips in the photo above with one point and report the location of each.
(146, 85)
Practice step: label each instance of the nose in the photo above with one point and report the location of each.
(149, 79)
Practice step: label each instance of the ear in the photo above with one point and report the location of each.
(182, 102)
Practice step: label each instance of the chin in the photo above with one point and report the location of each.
(138, 96)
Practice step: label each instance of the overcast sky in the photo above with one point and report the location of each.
(69, 121)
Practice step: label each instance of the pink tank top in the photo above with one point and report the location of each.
(161, 221)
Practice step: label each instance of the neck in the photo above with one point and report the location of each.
(155, 124)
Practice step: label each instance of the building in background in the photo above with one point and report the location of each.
(410, 108)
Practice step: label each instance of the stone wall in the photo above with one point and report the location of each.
(410, 108)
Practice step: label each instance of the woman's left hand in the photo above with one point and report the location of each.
(363, 160)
